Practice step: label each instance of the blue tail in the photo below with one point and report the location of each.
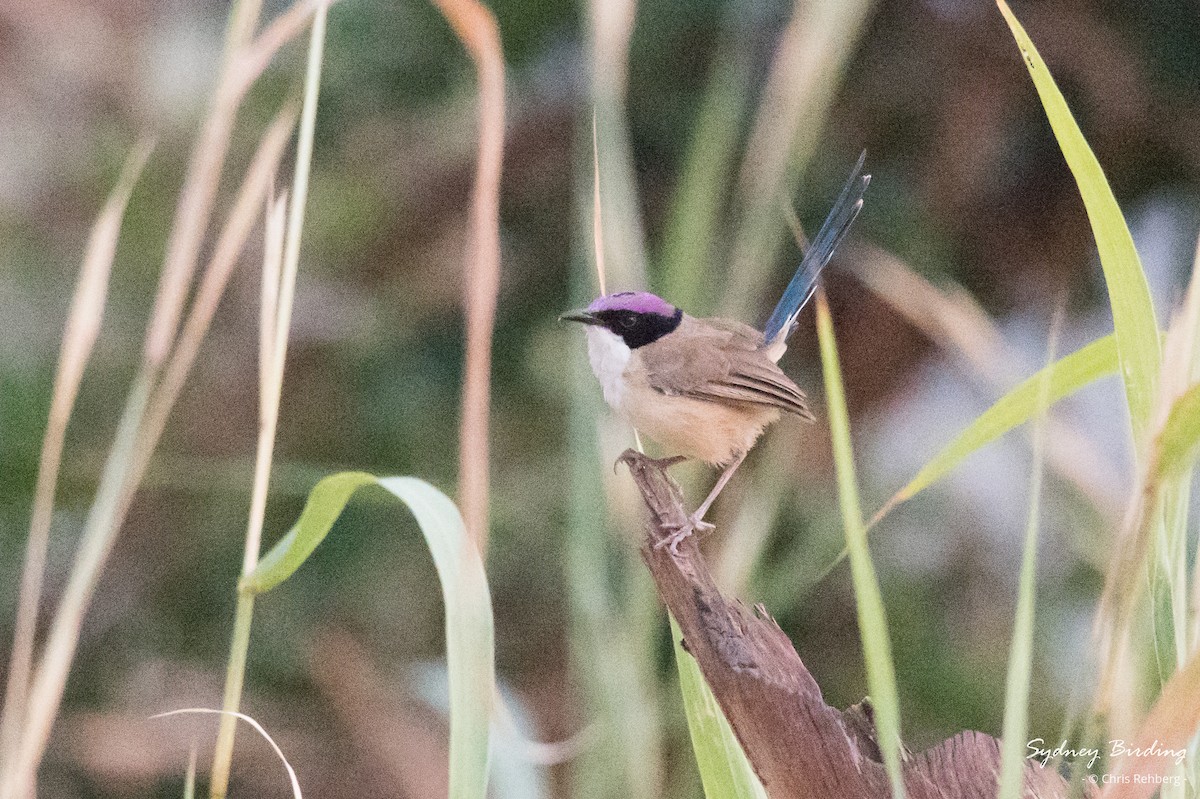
(804, 282)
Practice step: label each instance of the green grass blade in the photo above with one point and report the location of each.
(1020, 656)
(1134, 321)
(872, 620)
(724, 769)
(323, 507)
(1065, 377)
(1179, 440)
(470, 646)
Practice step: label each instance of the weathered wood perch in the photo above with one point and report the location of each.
(800, 747)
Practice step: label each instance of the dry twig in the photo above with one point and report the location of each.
(799, 746)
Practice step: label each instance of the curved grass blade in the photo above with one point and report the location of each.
(291, 772)
(872, 620)
(724, 770)
(323, 507)
(1066, 376)
(470, 647)
(1134, 323)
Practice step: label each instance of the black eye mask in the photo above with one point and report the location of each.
(638, 329)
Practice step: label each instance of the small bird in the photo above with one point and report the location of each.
(707, 388)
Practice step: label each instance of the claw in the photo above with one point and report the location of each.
(630, 456)
(681, 532)
(667, 463)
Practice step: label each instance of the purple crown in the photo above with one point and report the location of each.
(637, 301)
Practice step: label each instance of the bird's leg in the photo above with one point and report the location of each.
(695, 523)
(698, 516)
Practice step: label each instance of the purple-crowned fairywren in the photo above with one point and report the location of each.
(707, 388)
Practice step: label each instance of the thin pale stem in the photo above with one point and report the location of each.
(269, 414)
(79, 338)
(235, 675)
(110, 505)
(273, 338)
(1020, 655)
(610, 29)
(199, 189)
(216, 276)
(270, 383)
(143, 420)
(271, 269)
(475, 25)
(189, 780)
(598, 214)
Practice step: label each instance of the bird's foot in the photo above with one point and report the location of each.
(679, 532)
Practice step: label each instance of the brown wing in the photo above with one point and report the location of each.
(720, 361)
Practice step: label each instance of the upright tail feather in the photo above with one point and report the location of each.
(804, 282)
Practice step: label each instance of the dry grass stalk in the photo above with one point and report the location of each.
(245, 60)
(610, 28)
(279, 288)
(137, 433)
(79, 338)
(272, 353)
(270, 381)
(597, 213)
(199, 190)
(216, 276)
(257, 55)
(476, 27)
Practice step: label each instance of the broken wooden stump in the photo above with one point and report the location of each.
(800, 747)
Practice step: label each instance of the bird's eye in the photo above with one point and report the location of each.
(628, 321)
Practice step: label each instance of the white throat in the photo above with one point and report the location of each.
(609, 355)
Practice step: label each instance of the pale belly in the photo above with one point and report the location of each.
(709, 431)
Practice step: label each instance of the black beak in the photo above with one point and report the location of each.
(586, 317)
